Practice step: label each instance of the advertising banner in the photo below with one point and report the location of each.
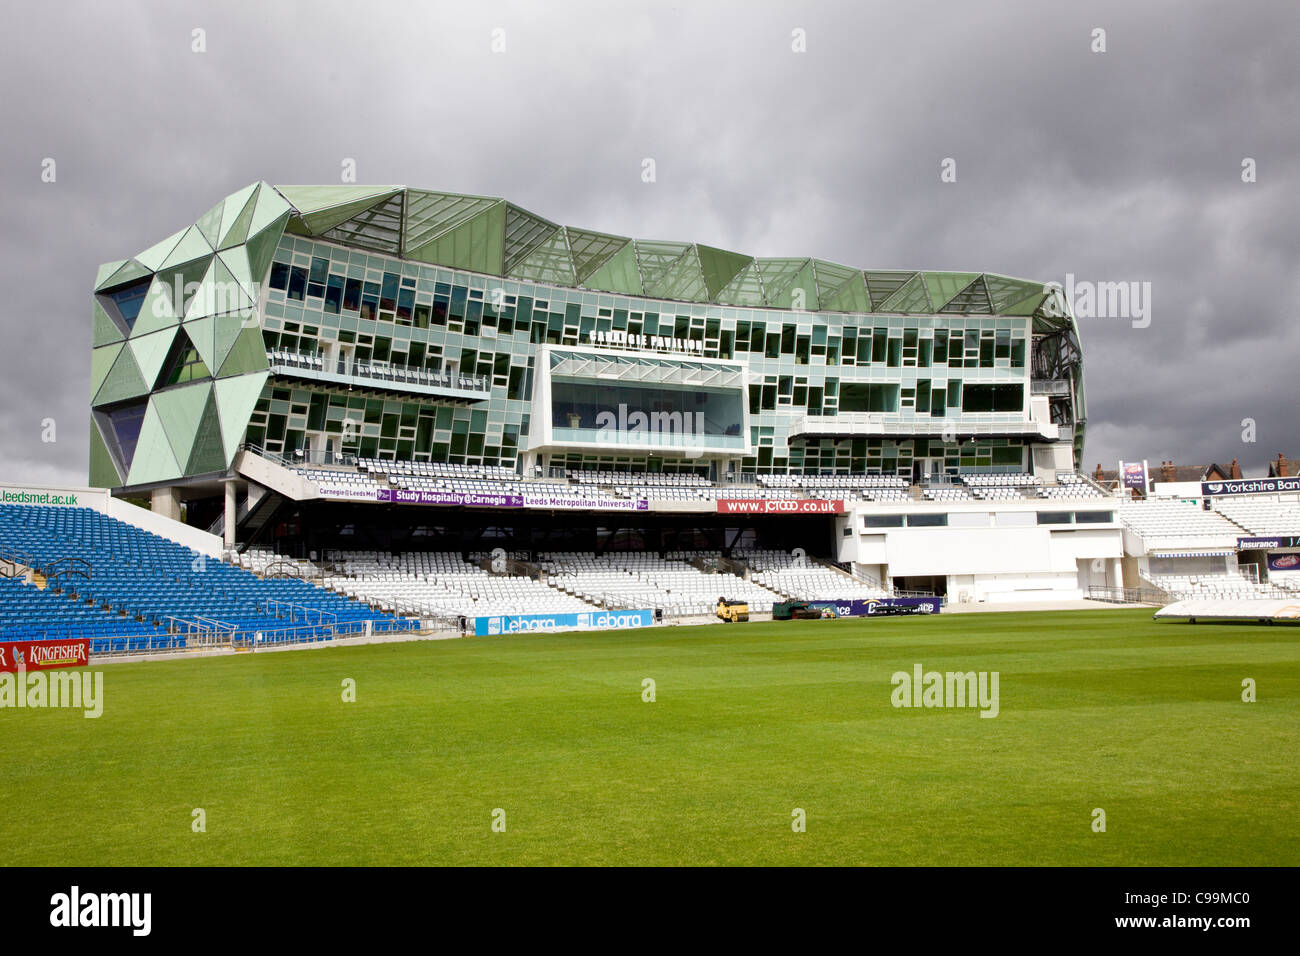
(468, 499)
(880, 608)
(779, 506)
(1249, 486)
(346, 492)
(1133, 474)
(43, 655)
(24, 496)
(1276, 543)
(471, 499)
(545, 623)
(1284, 562)
(586, 504)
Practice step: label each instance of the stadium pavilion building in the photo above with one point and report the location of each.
(304, 360)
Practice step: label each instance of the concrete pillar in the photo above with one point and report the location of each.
(229, 523)
(167, 502)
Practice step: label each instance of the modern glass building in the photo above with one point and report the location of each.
(323, 322)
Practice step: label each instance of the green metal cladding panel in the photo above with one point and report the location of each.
(618, 274)
(103, 473)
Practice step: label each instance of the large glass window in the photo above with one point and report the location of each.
(993, 398)
(581, 405)
(868, 397)
(125, 423)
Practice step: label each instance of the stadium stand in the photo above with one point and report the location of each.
(1230, 584)
(642, 580)
(1261, 517)
(158, 589)
(434, 584)
(1177, 522)
(803, 579)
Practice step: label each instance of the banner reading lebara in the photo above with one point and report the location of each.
(43, 655)
(779, 506)
(543, 623)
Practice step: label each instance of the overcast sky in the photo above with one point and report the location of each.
(1123, 165)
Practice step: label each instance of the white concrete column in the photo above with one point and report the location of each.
(166, 502)
(230, 515)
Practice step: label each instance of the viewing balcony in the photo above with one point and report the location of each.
(885, 425)
(380, 376)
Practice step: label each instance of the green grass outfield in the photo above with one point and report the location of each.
(1097, 709)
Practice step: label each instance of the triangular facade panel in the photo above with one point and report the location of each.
(153, 460)
(102, 361)
(883, 285)
(654, 258)
(942, 287)
(524, 233)
(720, 267)
(207, 454)
(618, 274)
(328, 217)
(105, 330)
(684, 280)
(261, 248)
(379, 228)
(153, 257)
(745, 289)
(151, 352)
(911, 298)
(123, 380)
(430, 214)
(972, 300)
(179, 411)
(549, 262)
(236, 216)
(475, 245)
(192, 246)
(248, 354)
(236, 398)
(1005, 292)
(800, 293)
(590, 250)
(777, 274)
(850, 297)
(209, 224)
(830, 277)
(270, 207)
(103, 472)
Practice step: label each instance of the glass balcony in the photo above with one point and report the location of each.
(381, 376)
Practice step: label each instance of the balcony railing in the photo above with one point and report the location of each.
(383, 375)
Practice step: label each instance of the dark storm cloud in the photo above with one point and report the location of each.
(1116, 166)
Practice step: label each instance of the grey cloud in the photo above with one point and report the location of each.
(1117, 166)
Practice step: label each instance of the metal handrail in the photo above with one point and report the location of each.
(383, 371)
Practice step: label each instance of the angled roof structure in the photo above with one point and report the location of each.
(491, 235)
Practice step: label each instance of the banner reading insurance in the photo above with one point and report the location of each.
(43, 655)
(779, 506)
